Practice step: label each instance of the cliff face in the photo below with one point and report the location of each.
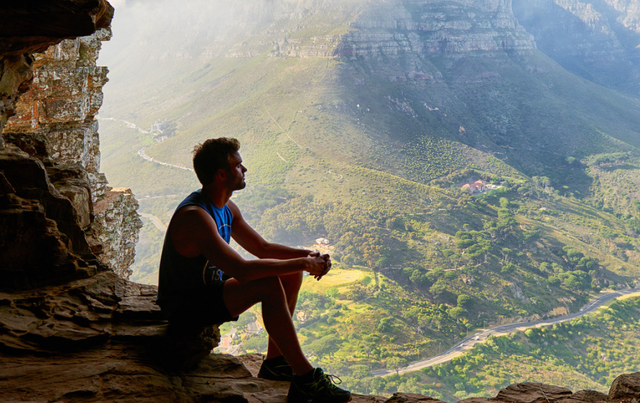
(436, 28)
(424, 27)
(55, 123)
(57, 112)
(43, 239)
(597, 40)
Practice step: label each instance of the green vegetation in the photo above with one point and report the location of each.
(586, 353)
(344, 149)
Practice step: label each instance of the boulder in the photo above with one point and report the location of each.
(530, 392)
(410, 398)
(625, 388)
(100, 338)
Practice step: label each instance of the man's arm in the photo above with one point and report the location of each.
(253, 242)
(194, 231)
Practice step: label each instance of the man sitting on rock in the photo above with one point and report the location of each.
(204, 281)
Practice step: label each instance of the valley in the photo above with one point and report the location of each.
(360, 122)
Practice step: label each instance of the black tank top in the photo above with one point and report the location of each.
(180, 274)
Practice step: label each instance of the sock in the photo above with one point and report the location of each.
(276, 361)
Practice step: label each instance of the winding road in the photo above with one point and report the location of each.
(155, 220)
(143, 154)
(479, 337)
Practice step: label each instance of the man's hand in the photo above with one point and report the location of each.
(327, 267)
(320, 264)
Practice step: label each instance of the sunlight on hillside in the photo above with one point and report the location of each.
(465, 172)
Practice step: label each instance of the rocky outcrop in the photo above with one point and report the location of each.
(540, 393)
(421, 27)
(596, 40)
(54, 121)
(102, 339)
(306, 28)
(34, 26)
(99, 339)
(625, 388)
(41, 241)
(59, 108)
(116, 228)
(433, 28)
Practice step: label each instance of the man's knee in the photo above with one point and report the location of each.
(292, 282)
(238, 297)
(271, 287)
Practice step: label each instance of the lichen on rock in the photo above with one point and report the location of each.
(54, 121)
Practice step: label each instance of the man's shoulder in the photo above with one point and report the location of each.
(194, 198)
(187, 214)
(235, 211)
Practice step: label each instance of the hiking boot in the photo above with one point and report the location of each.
(276, 369)
(316, 387)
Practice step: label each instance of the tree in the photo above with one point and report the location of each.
(465, 322)
(384, 326)
(418, 278)
(438, 288)
(245, 319)
(479, 251)
(326, 345)
(456, 313)
(464, 300)
(366, 280)
(553, 280)
(332, 293)
(506, 254)
(256, 343)
(506, 219)
(545, 267)
(508, 268)
(360, 371)
(587, 264)
(395, 363)
(357, 292)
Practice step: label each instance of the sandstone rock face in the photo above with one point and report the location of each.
(33, 26)
(103, 339)
(116, 228)
(61, 104)
(434, 28)
(625, 388)
(367, 29)
(99, 339)
(540, 393)
(41, 241)
(55, 122)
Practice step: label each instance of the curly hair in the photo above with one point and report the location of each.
(212, 155)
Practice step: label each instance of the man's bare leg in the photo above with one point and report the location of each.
(291, 284)
(238, 297)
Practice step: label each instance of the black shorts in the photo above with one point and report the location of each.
(203, 306)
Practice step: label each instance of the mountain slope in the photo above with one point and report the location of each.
(359, 122)
(597, 40)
